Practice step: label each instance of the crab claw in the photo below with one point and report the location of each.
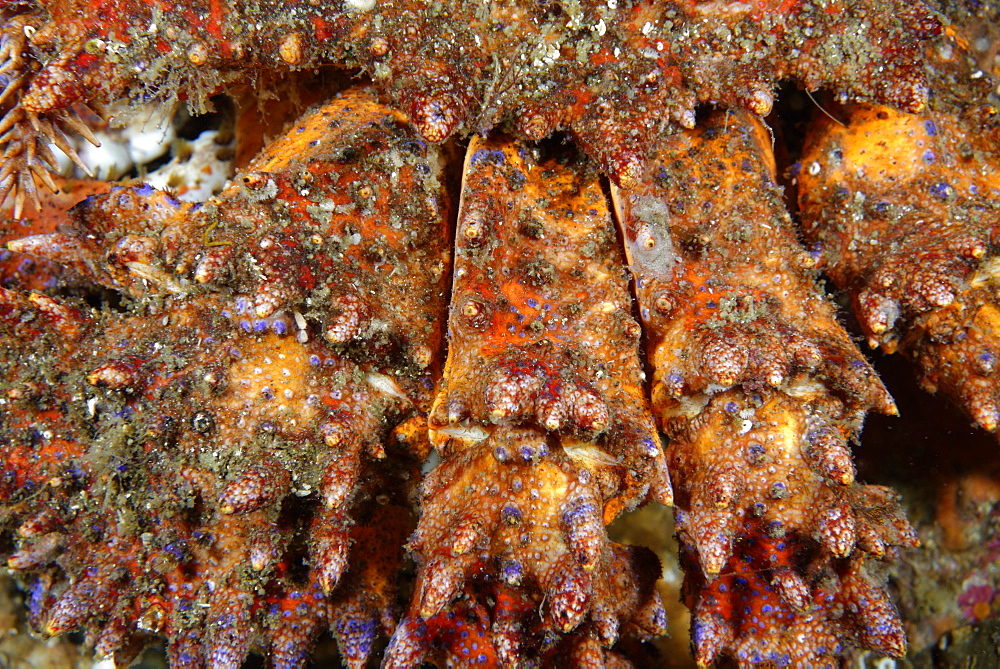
(538, 550)
(755, 382)
(779, 592)
(525, 349)
(539, 520)
(925, 283)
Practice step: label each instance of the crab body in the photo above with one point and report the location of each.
(233, 448)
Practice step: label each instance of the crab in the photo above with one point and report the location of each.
(528, 268)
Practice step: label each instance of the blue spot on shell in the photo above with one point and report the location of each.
(494, 156)
(942, 191)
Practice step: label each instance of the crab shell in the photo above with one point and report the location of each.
(257, 410)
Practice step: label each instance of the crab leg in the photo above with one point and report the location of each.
(273, 341)
(759, 389)
(904, 210)
(541, 422)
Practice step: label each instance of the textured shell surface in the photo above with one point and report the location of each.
(428, 295)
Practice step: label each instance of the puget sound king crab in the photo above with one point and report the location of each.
(239, 423)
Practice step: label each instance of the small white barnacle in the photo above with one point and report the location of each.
(648, 244)
(291, 49)
(257, 187)
(359, 5)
